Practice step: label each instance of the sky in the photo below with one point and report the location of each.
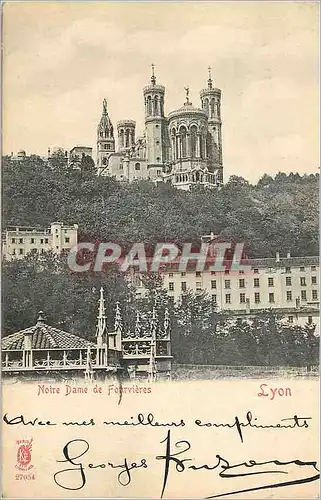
(61, 59)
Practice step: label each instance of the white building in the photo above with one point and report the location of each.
(18, 241)
(290, 286)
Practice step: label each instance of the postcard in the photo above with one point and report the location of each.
(160, 250)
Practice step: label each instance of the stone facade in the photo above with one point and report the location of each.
(183, 148)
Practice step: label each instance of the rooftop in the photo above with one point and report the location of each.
(44, 336)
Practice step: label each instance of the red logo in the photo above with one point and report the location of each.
(24, 454)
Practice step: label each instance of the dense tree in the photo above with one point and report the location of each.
(279, 214)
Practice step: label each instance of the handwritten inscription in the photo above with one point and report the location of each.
(272, 392)
(75, 477)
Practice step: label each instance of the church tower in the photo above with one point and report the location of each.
(211, 103)
(155, 126)
(105, 139)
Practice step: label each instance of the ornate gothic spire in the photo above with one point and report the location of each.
(153, 77)
(210, 81)
(101, 318)
(118, 318)
(166, 321)
(138, 325)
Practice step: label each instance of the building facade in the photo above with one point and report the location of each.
(183, 148)
(18, 241)
(289, 286)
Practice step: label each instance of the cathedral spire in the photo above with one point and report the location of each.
(153, 77)
(101, 318)
(210, 81)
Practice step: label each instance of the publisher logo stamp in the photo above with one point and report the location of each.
(24, 455)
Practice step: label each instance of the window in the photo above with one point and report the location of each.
(159, 172)
(14, 251)
(313, 268)
(56, 230)
(314, 294)
(313, 280)
(32, 240)
(21, 251)
(120, 167)
(183, 273)
(171, 286)
(288, 281)
(303, 295)
(20, 240)
(271, 281)
(289, 295)
(41, 241)
(241, 272)
(67, 240)
(310, 320)
(256, 271)
(242, 283)
(228, 298)
(290, 319)
(170, 275)
(302, 269)
(214, 299)
(271, 298)
(198, 285)
(137, 166)
(213, 284)
(198, 274)
(257, 298)
(242, 298)
(46, 240)
(302, 281)
(288, 269)
(13, 240)
(227, 283)
(256, 282)
(183, 286)
(213, 273)
(171, 300)
(42, 250)
(227, 271)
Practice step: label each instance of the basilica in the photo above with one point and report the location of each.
(183, 148)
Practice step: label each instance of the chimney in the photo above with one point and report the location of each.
(277, 257)
(288, 255)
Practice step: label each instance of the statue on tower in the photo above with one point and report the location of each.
(104, 106)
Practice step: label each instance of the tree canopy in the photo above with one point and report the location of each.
(279, 214)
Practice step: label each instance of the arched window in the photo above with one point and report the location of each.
(149, 105)
(193, 131)
(104, 161)
(121, 138)
(212, 108)
(127, 138)
(137, 166)
(156, 105)
(183, 142)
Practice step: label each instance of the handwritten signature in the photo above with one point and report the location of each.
(75, 477)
